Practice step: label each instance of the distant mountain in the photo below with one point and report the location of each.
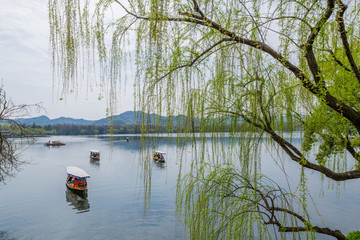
(44, 120)
(126, 118)
(41, 120)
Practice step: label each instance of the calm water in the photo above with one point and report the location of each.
(37, 205)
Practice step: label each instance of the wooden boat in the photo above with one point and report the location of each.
(159, 156)
(54, 143)
(76, 179)
(94, 154)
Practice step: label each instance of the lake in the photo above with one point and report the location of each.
(35, 204)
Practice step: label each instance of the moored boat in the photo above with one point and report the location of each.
(76, 179)
(159, 156)
(54, 143)
(95, 154)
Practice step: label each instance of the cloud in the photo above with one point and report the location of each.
(24, 41)
(25, 68)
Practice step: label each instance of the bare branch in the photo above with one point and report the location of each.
(197, 8)
(342, 30)
(9, 159)
(308, 46)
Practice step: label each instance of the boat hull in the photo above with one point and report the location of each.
(160, 160)
(54, 144)
(79, 189)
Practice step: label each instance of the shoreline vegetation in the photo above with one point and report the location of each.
(73, 129)
(67, 129)
(137, 122)
(36, 130)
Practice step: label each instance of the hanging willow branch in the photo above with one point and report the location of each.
(222, 188)
(220, 62)
(318, 89)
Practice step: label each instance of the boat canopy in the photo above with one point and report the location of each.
(160, 152)
(94, 151)
(77, 172)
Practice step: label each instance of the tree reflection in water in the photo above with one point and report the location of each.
(5, 236)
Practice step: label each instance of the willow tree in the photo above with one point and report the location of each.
(9, 150)
(267, 66)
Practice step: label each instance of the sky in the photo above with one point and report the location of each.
(25, 66)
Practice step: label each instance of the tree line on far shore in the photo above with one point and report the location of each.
(76, 129)
(73, 129)
(68, 129)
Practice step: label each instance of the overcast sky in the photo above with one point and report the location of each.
(25, 69)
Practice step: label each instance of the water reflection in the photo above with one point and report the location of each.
(79, 202)
(95, 162)
(160, 164)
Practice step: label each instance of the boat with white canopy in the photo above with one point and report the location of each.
(94, 154)
(159, 156)
(76, 179)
